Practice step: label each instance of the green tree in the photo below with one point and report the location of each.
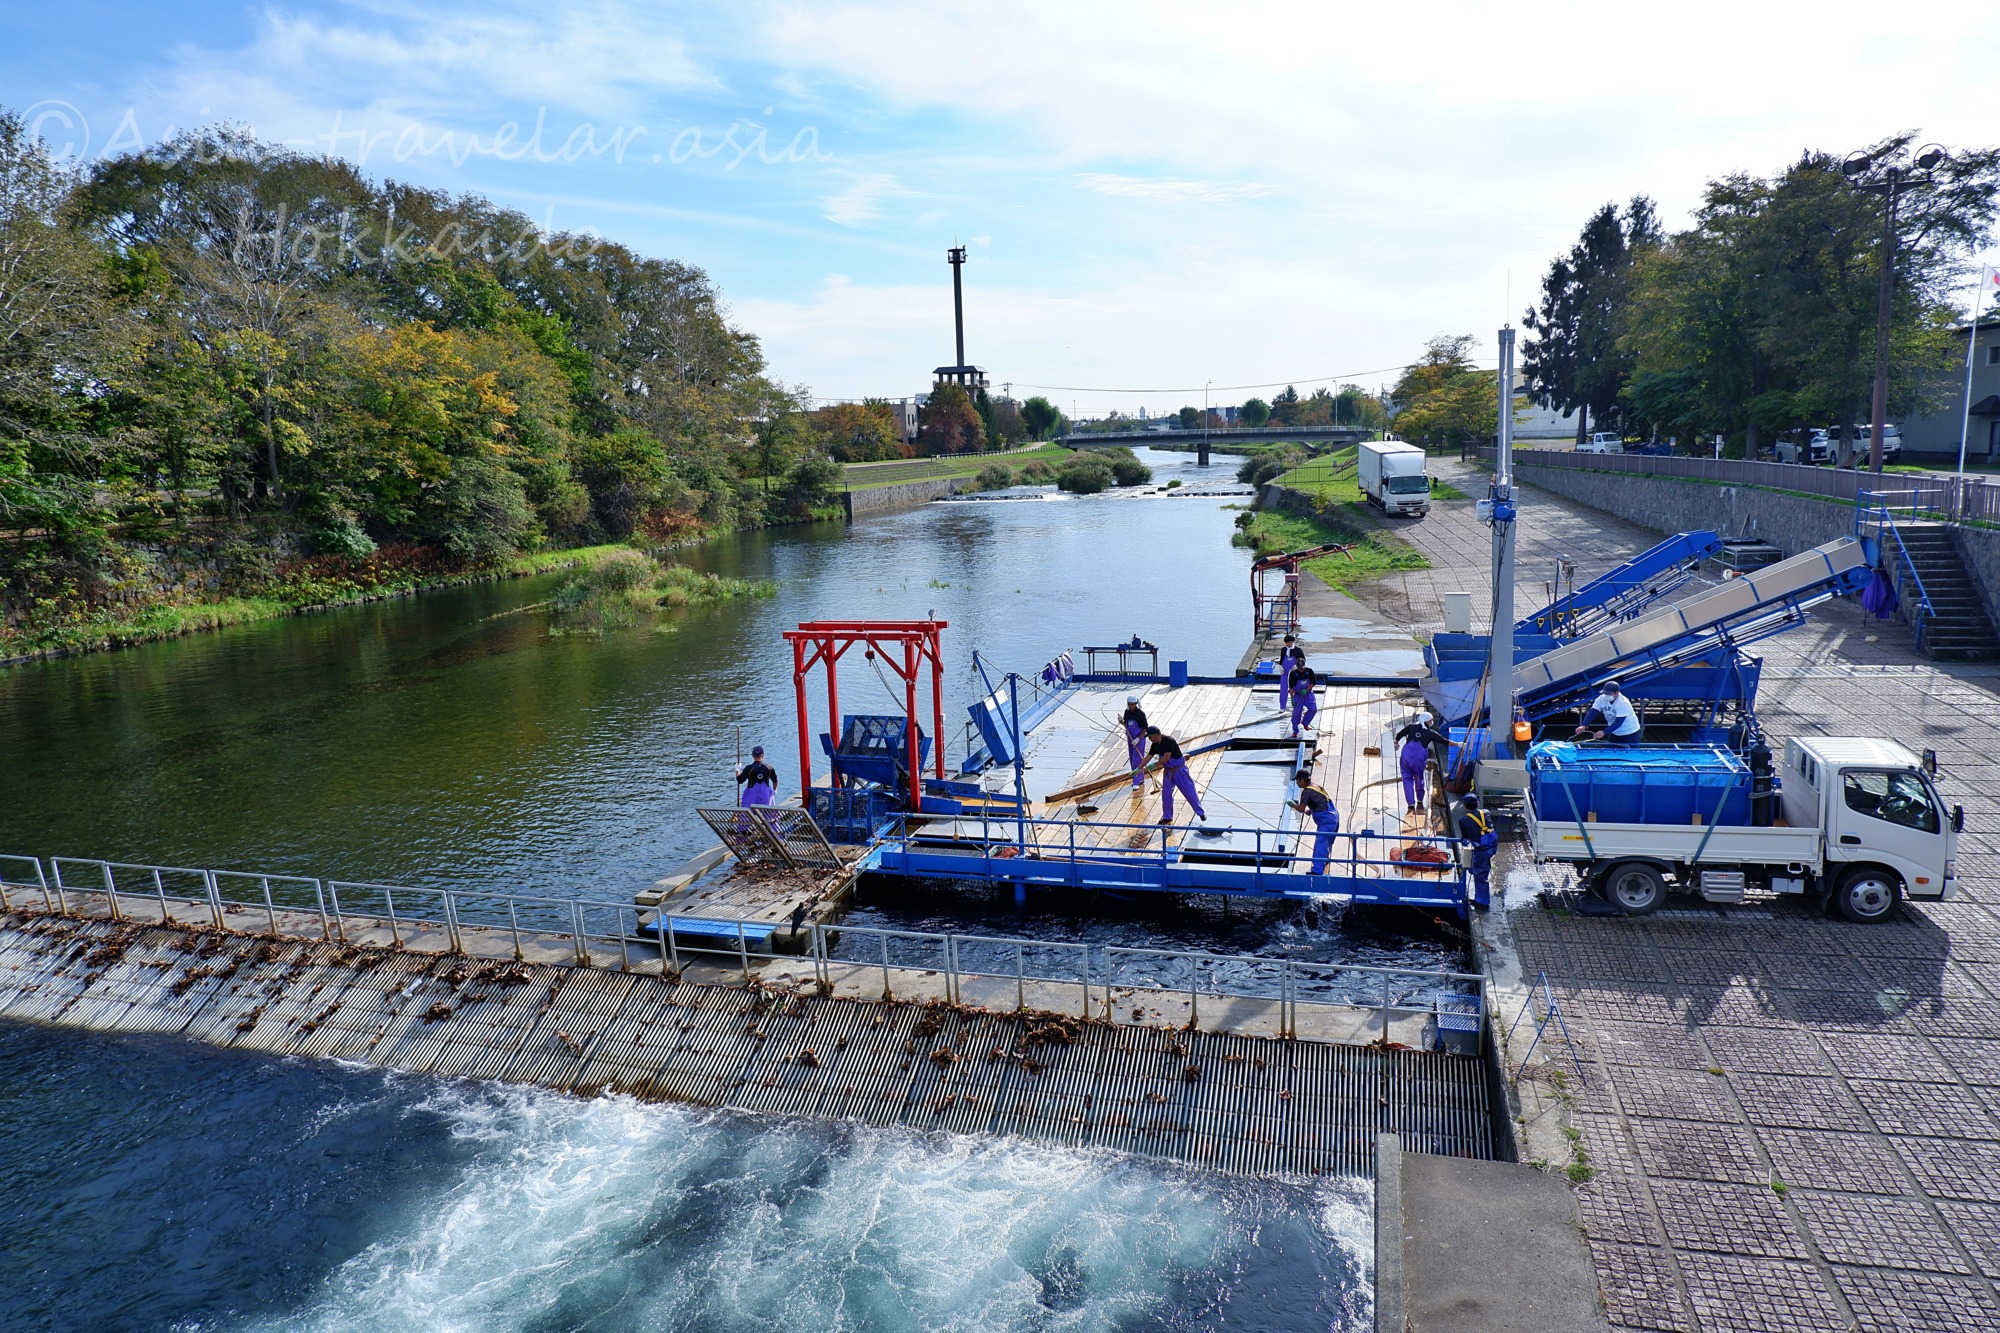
(1040, 416)
(1254, 413)
(1443, 399)
(1190, 417)
(1572, 359)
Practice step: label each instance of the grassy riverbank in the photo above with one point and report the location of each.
(314, 586)
(1332, 478)
(1370, 553)
(867, 476)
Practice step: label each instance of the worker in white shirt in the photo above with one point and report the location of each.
(1611, 717)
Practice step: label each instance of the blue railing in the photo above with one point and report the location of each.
(1099, 854)
(1877, 508)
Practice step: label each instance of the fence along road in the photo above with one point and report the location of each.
(463, 996)
(1938, 496)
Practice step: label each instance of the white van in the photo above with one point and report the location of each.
(1603, 442)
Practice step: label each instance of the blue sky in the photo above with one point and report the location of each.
(1154, 195)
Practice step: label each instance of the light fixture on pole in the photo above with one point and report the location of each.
(1860, 171)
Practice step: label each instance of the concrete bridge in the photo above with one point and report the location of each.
(1202, 440)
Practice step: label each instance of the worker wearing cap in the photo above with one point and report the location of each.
(1135, 741)
(1173, 774)
(758, 779)
(1315, 804)
(1415, 757)
(1475, 825)
(1289, 656)
(1305, 706)
(1611, 717)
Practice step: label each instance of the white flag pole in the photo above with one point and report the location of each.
(1971, 346)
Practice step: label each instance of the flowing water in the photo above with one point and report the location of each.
(451, 740)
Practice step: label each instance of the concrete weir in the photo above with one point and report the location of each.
(1228, 1102)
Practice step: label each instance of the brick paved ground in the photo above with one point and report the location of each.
(1794, 1121)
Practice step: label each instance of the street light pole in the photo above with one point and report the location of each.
(1971, 343)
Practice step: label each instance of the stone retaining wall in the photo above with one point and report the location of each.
(1792, 523)
(902, 495)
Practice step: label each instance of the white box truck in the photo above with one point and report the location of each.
(1392, 477)
(1858, 824)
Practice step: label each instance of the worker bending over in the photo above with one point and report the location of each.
(1314, 803)
(1611, 717)
(1135, 741)
(1305, 706)
(1173, 774)
(758, 779)
(1475, 825)
(1415, 758)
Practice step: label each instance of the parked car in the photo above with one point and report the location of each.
(1819, 448)
(1815, 448)
(1603, 442)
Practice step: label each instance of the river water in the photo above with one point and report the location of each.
(450, 740)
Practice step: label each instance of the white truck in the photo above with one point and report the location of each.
(1392, 476)
(1858, 824)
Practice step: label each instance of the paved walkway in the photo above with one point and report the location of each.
(1789, 1122)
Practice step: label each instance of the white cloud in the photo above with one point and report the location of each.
(862, 201)
(1165, 187)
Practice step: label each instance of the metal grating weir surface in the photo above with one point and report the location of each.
(745, 835)
(794, 831)
(1229, 1103)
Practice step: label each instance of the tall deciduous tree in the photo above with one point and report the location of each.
(1443, 398)
(951, 424)
(1040, 416)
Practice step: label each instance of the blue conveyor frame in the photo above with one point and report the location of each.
(1625, 591)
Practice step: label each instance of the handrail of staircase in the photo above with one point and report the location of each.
(1865, 512)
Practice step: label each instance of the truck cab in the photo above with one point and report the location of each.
(1886, 832)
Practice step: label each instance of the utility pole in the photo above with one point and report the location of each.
(1202, 461)
(1888, 185)
(1500, 667)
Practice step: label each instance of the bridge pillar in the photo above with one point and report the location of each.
(1201, 455)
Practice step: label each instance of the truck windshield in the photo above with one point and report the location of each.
(1895, 798)
(1408, 485)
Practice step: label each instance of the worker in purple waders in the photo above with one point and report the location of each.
(1414, 758)
(1173, 774)
(1316, 805)
(1289, 656)
(758, 780)
(1135, 741)
(1305, 703)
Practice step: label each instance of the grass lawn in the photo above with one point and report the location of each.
(1370, 553)
(1331, 477)
(865, 476)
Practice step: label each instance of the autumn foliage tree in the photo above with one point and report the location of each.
(951, 423)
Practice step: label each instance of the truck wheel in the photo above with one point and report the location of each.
(1867, 894)
(1634, 887)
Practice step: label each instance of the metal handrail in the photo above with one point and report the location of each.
(1866, 513)
(456, 911)
(1097, 978)
(1017, 832)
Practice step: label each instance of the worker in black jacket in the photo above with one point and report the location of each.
(1475, 825)
(758, 779)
